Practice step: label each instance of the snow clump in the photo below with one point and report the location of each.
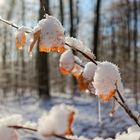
(58, 121)
(106, 78)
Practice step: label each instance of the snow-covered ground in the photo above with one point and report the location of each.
(86, 123)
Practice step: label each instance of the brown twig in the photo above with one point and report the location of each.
(22, 127)
(73, 48)
(11, 24)
(125, 106)
(119, 94)
(84, 54)
(35, 130)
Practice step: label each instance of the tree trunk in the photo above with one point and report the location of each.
(42, 60)
(113, 46)
(9, 14)
(128, 29)
(72, 34)
(61, 11)
(96, 28)
(4, 53)
(135, 53)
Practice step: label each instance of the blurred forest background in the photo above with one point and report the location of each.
(110, 28)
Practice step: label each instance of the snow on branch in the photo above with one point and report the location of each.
(100, 78)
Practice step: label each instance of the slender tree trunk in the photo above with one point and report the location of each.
(135, 52)
(22, 52)
(77, 12)
(4, 54)
(62, 19)
(9, 14)
(72, 28)
(61, 11)
(113, 46)
(73, 34)
(96, 28)
(128, 29)
(42, 60)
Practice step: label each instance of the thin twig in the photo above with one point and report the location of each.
(125, 106)
(35, 130)
(11, 24)
(22, 127)
(73, 48)
(119, 94)
(84, 54)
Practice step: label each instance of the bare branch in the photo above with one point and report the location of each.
(125, 107)
(119, 94)
(72, 47)
(11, 24)
(21, 127)
(35, 130)
(83, 53)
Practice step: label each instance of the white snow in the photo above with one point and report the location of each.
(78, 60)
(74, 43)
(89, 70)
(133, 128)
(78, 45)
(86, 123)
(9, 133)
(29, 124)
(20, 37)
(15, 119)
(106, 76)
(133, 136)
(52, 32)
(67, 60)
(76, 138)
(55, 121)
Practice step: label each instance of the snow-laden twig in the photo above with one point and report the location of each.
(73, 48)
(121, 101)
(11, 24)
(83, 53)
(35, 130)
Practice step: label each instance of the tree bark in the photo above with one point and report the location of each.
(61, 11)
(128, 29)
(113, 45)
(72, 34)
(135, 52)
(42, 60)
(96, 28)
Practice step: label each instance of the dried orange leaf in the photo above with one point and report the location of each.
(70, 122)
(66, 62)
(33, 40)
(20, 40)
(65, 71)
(107, 97)
(83, 84)
(54, 48)
(77, 70)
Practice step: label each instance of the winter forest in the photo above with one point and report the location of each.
(69, 70)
